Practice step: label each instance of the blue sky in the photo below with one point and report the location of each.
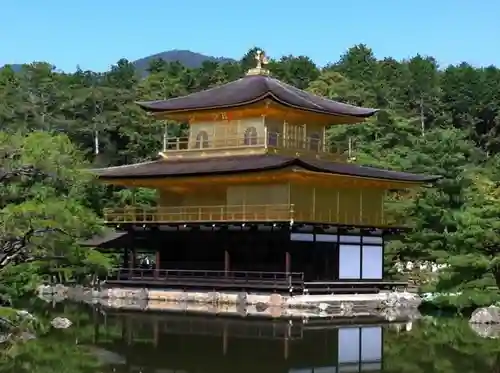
(95, 34)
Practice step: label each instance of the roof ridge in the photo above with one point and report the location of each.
(125, 165)
(293, 89)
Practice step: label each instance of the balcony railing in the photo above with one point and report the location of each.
(209, 277)
(272, 140)
(240, 213)
(200, 214)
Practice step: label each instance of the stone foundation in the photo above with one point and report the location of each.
(389, 305)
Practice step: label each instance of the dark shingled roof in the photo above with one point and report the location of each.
(252, 89)
(251, 163)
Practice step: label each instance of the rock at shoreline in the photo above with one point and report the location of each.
(61, 323)
(486, 330)
(4, 337)
(261, 307)
(57, 289)
(486, 315)
(320, 305)
(390, 314)
(347, 309)
(107, 357)
(23, 337)
(401, 300)
(25, 315)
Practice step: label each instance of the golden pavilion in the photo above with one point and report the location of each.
(164, 342)
(255, 197)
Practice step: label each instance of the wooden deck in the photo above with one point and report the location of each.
(208, 280)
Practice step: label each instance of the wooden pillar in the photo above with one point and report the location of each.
(131, 261)
(157, 263)
(227, 262)
(126, 258)
(123, 329)
(288, 263)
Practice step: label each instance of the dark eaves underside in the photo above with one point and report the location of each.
(101, 239)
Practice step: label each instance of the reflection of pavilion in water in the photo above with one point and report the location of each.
(188, 344)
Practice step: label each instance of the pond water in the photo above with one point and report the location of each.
(176, 343)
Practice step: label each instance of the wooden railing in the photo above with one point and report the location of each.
(343, 217)
(199, 214)
(269, 140)
(240, 214)
(213, 142)
(187, 324)
(221, 278)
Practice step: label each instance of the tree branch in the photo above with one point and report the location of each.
(28, 171)
(16, 249)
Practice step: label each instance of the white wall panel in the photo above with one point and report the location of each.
(373, 259)
(349, 262)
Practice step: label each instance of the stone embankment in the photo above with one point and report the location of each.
(391, 306)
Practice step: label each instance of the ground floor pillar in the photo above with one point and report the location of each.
(288, 263)
(227, 262)
(157, 263)
(132, 258)
(126, 258)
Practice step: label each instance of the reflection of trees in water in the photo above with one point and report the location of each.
(445, 346)
(448, 345)
(53, 353)
(496, 366)
(61, 351)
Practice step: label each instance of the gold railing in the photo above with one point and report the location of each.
(336, 217)
(272, 140)
(240, 213)
(213, 142)
(199, 214)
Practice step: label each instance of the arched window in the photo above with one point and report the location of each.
(314, 142)
(201, 140)
(250, 137)
(272, 138)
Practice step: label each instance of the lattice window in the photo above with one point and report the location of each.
(250, 136)
(315, 142)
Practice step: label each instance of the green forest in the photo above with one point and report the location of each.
(434, 119)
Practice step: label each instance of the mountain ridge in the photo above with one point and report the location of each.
(186, 57)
